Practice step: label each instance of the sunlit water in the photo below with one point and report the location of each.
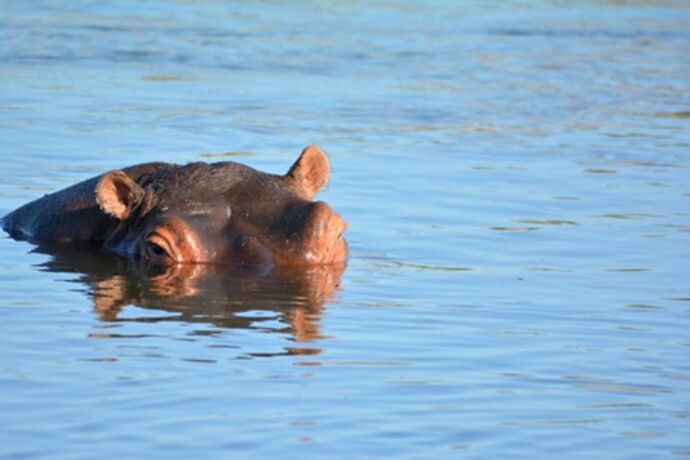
(515, 176)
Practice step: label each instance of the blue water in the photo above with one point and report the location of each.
(515, 176)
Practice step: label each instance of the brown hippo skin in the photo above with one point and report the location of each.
(220, 213)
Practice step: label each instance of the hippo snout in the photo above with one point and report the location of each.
(323, 236)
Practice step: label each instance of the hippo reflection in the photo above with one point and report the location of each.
(221, 213)
(200, 293)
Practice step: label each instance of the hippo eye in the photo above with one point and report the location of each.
(155, 251)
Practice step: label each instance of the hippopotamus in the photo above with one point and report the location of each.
(218, 213)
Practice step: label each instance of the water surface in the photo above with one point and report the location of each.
(515, 177)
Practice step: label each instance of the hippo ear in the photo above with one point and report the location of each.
(117, 194)
(311, 170)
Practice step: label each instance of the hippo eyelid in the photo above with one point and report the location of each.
(155, 251)
(157, 248)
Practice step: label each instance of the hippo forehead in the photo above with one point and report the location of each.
(201, 188)
(179, 184)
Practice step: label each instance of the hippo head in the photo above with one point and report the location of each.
(225, 213)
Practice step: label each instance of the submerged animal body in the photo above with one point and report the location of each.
(220, 213)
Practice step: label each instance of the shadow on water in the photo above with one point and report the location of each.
(200, 293)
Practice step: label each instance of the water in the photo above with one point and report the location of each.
(515, 177)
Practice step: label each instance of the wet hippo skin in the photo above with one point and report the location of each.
(220, 213)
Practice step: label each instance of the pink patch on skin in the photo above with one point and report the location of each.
(178, 240)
